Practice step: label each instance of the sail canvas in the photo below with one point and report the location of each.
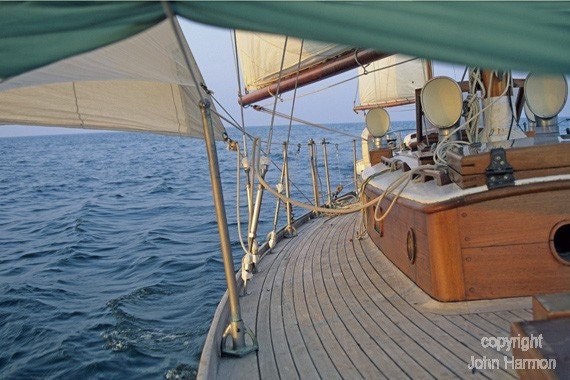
(138, 84)
(264, 58)
(391, 81)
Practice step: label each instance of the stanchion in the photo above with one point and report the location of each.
(236, 328)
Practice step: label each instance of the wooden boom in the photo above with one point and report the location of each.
(340, 64)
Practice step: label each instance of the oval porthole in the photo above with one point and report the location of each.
(411, 245)
(560, 242)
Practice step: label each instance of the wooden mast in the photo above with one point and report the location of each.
(498, 85)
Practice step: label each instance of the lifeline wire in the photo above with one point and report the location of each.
(270, 137)
(238, 210)
(256, 169)
(236, 59)
(263, 109)
(295, 91)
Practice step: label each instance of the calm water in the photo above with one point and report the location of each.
(110, 263)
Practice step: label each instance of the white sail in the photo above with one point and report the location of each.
(391, 81)
(260, 56)
(138, 84)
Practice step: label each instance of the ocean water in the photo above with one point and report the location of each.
(110, 264)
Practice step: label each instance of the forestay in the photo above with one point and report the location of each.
(138, 84)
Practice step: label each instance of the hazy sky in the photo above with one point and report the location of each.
(333, 105)
(213, 52)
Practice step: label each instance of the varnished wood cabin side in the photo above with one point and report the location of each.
(493, 245)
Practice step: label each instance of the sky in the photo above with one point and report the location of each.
(213, 51)
(333, 105)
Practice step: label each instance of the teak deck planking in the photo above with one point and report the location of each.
(327, 305)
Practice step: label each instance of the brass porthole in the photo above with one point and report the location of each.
(560, 242)
(411, 245)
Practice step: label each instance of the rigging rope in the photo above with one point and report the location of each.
(238, 210)
(238, 76)
(442, 147)
(263, 109)
(271, 237)
(324, 210)
(400, 182)
(295, 91)
(270, 135)
(347, 80)
(472, 104)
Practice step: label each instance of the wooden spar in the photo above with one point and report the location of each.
(364, 107)
(498, 85)
(517, 83)
(327, 69)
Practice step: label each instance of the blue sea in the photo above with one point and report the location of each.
(110, 264)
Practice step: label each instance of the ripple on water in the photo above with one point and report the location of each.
(110, 264)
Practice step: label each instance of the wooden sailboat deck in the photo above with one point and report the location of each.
(327, 305)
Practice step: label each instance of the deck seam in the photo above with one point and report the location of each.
(460, 364)
(316, 255)
(386, 314)
(276, 257)
(429, 318)
(296, 302)
(392, 298)
(302, 302)
(285, 293)
(327, 305)
(328, 248)
(343, 268)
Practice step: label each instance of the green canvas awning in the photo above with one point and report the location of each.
(526, 36)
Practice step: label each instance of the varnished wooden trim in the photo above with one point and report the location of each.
(468, 199)
(445, 256)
